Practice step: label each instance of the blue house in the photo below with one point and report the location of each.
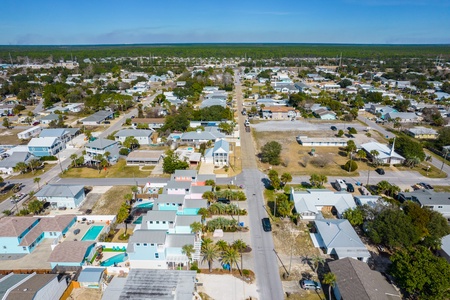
(45, 146)
(21, 235)
(69, 196)
(72, 254)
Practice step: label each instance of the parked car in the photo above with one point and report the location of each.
(334, 128)
(350, 188)
(107, 122)
(425, 185)
(379, 171)
(266, 224)
(36, 123)
(310, 285)
(224, 200)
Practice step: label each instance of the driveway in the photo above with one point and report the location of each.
(35, 260)
(226, 287)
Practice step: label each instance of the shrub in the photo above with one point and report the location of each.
(245, 272)
(351, 166)
(48, 158)
(124, 151)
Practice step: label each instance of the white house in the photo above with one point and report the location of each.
(143, 136)
(29, 133)
(45, 146)
(322, 141)
(385, 155)
(219, 155)
(49, 118)
(8, 164)
(98, 117)
(101, 146)
(69, 196)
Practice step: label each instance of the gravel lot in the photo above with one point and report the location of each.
(304, 125)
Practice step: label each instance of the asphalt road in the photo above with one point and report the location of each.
(265, 263)
(376, 127)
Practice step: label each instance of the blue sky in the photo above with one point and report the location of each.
(31, 22)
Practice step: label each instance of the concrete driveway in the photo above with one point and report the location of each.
(36, 260)
(226, 287)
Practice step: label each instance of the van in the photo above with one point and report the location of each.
(340, 185)
(310, 285)
(266, 224)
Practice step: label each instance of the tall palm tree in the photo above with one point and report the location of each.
(21, 167)
(222, 245)
(37, 180)
(330, 279)
(317, 260)
(361, 154)
(188, 250)
(74, 157)
(375, 155)
(196, 227)
(231, 256)
(33, 164)
(209, 254)
(206, 242)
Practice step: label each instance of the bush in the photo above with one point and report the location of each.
(124, 151)
(351, 166)
(48, 158)
(245, 272)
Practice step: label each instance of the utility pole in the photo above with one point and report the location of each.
(445, 158)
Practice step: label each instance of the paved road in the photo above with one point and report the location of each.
(265, 263)
(376, 127)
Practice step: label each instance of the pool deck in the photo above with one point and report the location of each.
(108, 255)
(70, 236)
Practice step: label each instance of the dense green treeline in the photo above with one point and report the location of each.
(255, 51)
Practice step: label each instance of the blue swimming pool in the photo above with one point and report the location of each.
(92, 233)
(115, 259)
(138, 220)
(145, 205)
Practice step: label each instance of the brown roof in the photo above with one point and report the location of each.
(279, 109)
(148, 120)
(29, 288)
(14, 226)
(70, 251)
(356, 280)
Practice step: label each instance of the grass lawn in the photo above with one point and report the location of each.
(442, 188)
(435, 156)
(3, 197)
(111, 201)
(119, 170)
(47, 167)
(433, 172)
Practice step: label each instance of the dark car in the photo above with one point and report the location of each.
(426, 186)
(350, 187)
(266, 224)
(334, 128)
(224, 200)
(379, 171)
(107, 122)
(36, 123)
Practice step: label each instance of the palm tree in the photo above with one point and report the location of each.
(361, 154)
(203, 212)
(317, 260)
(330, 279)
(37, 180)
(208, 195)
(21, 167)
(106, 155)
(74, 157)
(239, 245)
(33, 164)
(375, 155)
(196, 227)
(134, 189)
(188, 250)
(222, 245)
(206, 242)
(230, 257)
(209, 254)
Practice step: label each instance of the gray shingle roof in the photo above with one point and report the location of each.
(148, 236)
(53, 132)
(100, 143)
(11, 161)
(98, 116)
(134, 132)
(52, 190)
(29, 288)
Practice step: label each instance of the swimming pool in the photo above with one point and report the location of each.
(138, 220)
(145, 205)
(115, 259)
(92, 233)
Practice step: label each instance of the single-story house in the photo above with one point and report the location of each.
(429, 198)
(311, 202)
(278, 112)
(385, 154)
(91, 277)
(337, 237)
(45, 146)
(271, 102)
(355, 280)
(29, 133)
(72, 253)
(8, 164)
(445, 248)
(198, 137)
(143, 136)
(214, 102)
(219, 155)
(49, 118)
(402, 117)
(325, 114)
(69, 196)
(322, 142)
(153, 123)
(6, 109)
(98, 117)
(144, 157)
(381, 109)
(33, 286)
(420, 132)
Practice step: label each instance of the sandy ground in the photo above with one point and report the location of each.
(226, 287)
(86, 294)
(304, 125)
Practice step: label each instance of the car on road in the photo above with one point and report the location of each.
(107, 122)
(334, 128)
(425, 185)
(379, 171)
(36, 123)
(350, 188)
(310, 285)
(266, 224)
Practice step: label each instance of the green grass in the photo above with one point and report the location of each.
(433, 172)
(119, 170)
(442, 188)
(30, 174)
(3, 197)
(435, 156)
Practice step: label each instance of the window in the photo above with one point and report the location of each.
(440, 206)
(151, 222)
(156, 255)
(164, 222)
(152, 244)
(145, 244)
(138, 244)
(157, 222)
(24, 248)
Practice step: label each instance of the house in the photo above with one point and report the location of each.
(165, 284)
(98, 117)
(337, 237)
(69, 196)
(32, 286)
(143, 136)
(144, 157)
(219, 155)
(91, 277)
(311, 202)
(355, 280)
(445, 248)
(21, 235)
(430, 199)
(62, 134)
(278, 112)
(325, 114)
(153, 123)
(370, 200)
(49, 118)
(385, 155)
(198, 137)
(72, 254)
(29, 133)
(8, 164)
(402, 117)
(381, 110)
(101, 146)
(6, 109)
(271, 102)
(208, 102)
(322, 142)
(420, 132)
(45, 146)
(36, 286)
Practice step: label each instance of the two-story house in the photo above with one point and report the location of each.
(45, 146)
(100, 147)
